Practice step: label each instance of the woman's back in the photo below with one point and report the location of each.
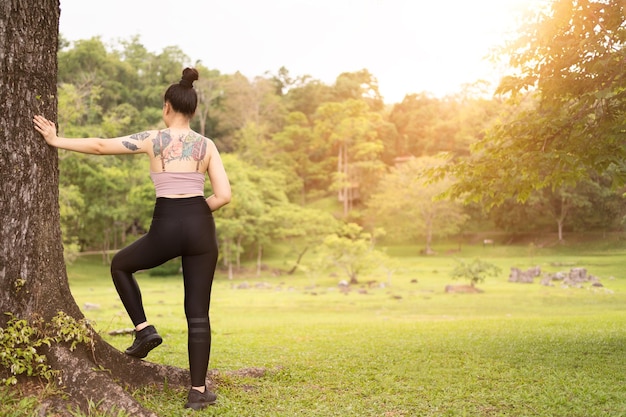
(178, 151)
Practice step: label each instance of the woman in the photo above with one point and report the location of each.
(182, 223)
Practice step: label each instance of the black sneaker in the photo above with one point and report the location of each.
(145, 340)
(197, 400)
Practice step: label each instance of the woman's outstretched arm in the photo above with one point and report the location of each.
(97, 146)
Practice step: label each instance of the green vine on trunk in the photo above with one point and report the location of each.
(22, 342)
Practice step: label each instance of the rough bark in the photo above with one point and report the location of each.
(30, 232)
(33, 278)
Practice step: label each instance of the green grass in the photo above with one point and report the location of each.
(408, 349)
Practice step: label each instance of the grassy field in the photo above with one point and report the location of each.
(403, 349)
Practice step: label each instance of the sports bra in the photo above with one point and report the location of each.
(167, 183)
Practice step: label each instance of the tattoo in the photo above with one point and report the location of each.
(130, 145)
(136, 137)
(140, 136)
(190, 147)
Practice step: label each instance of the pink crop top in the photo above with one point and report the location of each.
(168, 183)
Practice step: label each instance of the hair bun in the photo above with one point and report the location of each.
(189, 76)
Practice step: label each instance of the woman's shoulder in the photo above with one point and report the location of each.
(144, 134)
(197, 135)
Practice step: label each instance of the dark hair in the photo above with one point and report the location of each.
(181, 95)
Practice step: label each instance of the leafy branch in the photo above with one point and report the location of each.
(21, 343)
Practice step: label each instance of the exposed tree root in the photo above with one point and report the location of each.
(105, 377)
(84, 382)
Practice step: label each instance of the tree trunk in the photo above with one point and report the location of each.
(259, 259)
(238, 253)
(33, 278)
(343, 170)
(300, 255)
(429, 237)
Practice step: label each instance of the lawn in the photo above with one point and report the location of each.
(299, 346)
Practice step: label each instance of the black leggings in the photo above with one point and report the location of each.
(180, 227)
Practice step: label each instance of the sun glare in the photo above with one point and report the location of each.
(409, 46)
(451, 44)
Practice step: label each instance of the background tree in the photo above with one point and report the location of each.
(352, 251)
(569, 62)
(360, 85)
(475, 271)
(592, 205)
(305, 229)
(294, 145)
(272, 199)
(405, 204)
(236, 222)
(306, 94)
(558, 203)
(210, 93)
(252, 104)
(605, 209)
(348, 132)
(413, 118)
(516, 217)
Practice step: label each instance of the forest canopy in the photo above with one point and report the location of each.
(540, 156)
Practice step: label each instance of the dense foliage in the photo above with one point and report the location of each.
(566, 103)
(298, 150)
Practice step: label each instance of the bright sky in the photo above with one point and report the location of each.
(410, 46)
